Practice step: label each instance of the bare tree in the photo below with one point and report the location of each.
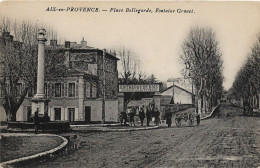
(203, 64)
(130, 65)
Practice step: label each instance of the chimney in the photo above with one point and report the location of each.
(7, 36)
(83, 43)
(53, 42)
(67, 44)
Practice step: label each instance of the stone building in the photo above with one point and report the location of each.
(76, 91)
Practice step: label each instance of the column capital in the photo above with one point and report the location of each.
(41, 35)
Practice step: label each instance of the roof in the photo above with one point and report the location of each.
(178, 88)
(85, 49)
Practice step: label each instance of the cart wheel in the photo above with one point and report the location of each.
(178, 123)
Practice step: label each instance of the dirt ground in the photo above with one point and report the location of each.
(232, 141)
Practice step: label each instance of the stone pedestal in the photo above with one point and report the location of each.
(41, 104)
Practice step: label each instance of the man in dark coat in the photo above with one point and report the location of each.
(157, 116)
(142, 116)
(197, 116)
(148, 116)
(168, 116)
(131, 117)
(36, 120)
(123, 117)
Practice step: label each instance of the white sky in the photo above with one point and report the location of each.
(155, 38)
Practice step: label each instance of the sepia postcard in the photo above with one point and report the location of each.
(129, 84)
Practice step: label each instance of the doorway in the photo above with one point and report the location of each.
(71, 114)
(29, 112)
(87, 114)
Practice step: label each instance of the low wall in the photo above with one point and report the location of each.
(43, 126)
(175, 107)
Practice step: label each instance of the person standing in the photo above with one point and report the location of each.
(131, 117)
(123, 117)
(36, 121)
(197, 117)
(157, 116)
(168, 116)
(142, 116)
(148, 116)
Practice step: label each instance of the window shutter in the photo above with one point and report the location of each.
(53, 89)
(62, 90)
(77, 89)
(49, 90)
(84, 89)
(65, 89)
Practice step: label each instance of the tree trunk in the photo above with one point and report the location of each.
(199, 104)
(204, 104)
(11, 117)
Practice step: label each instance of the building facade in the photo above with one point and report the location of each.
(76, 91)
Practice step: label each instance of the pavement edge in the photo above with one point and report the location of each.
(212, 112)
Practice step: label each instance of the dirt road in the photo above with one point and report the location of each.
(232, 141)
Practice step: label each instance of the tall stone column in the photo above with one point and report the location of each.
(39, 100)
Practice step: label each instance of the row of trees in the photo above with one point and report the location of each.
(247, 81)
(203, 65)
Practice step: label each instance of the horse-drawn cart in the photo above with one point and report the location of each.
(184, 117)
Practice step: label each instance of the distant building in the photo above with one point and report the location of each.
(76, 93)
(176, 95)
(181, 82)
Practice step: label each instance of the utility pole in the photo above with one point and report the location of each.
(173, 90)
(103, 87)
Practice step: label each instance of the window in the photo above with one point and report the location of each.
(87, 90)
(94, 90)
(29, 112)
(71, 114)
(70, 65)
(57, 89)
(71, 89)
(113, 93)
(57, 113)
(45, 89)
(19, 89)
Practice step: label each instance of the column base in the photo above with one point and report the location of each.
(41, 104)
(39, 96)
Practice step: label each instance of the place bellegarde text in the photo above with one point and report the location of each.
(119, 10)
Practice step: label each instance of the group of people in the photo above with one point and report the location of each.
(149, 115)
(142, 115)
